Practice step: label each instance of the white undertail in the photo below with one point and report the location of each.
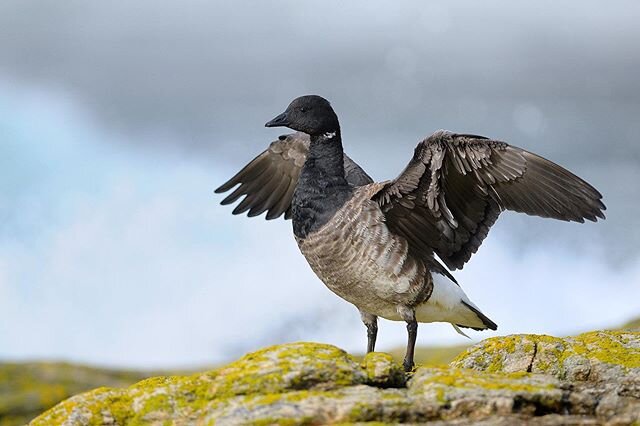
(449, 303)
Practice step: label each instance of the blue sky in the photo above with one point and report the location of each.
(117, 123)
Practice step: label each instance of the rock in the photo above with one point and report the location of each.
(286, 382)
(465, 393)
(600, 368)
(595, 356)
(588, 379)
(383, 371)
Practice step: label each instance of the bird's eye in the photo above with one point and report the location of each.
(303, 109)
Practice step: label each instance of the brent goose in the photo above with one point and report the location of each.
(375, 244)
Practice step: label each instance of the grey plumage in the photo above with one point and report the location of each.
(374, 270)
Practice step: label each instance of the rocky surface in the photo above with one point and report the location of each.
(27, 389)
(593, 378)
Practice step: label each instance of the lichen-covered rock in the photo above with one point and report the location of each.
(595, 356)
(291, 381)
(295, 366)
(382, 370)
(506, 380)
(473, 394)
(601, 369)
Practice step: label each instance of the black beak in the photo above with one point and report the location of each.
(279, 121)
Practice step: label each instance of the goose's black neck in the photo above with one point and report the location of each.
(322, 187)
(326, 158)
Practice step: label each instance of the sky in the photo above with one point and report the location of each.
(117, 121)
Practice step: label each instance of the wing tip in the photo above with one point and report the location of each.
(593, 215)
(231, 198)
(224, 187)
(598, 214)
(272, 214)
(240, 209)
(268, 216)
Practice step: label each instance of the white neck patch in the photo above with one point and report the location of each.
(329, 135)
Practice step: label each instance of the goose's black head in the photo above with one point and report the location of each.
(309, 114)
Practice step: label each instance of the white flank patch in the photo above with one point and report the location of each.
(445, 305)
(446, 293)
(329, 135)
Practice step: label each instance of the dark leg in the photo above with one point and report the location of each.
(372, 334)
(412, 330)
(371, 321)
(408, 314)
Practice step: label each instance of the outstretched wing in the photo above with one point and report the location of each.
(456, 186)
(268, 181)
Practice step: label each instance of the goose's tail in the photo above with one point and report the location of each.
(449, 303)
(486, 322)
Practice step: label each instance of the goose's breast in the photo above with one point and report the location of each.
(360, 260)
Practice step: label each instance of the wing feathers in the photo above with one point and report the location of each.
(250, 171)
(548, 190)
(461, 183)
(268, 181)
(284, 203)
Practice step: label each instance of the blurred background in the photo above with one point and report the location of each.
(118, 119)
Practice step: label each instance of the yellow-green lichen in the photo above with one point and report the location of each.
(362, 411)
(469, 379)
(611, 347)
(266, 376)
(287, 367)
(281, 421)
(382, 370)
(444, 386)
(553, 355)
(493, 353)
